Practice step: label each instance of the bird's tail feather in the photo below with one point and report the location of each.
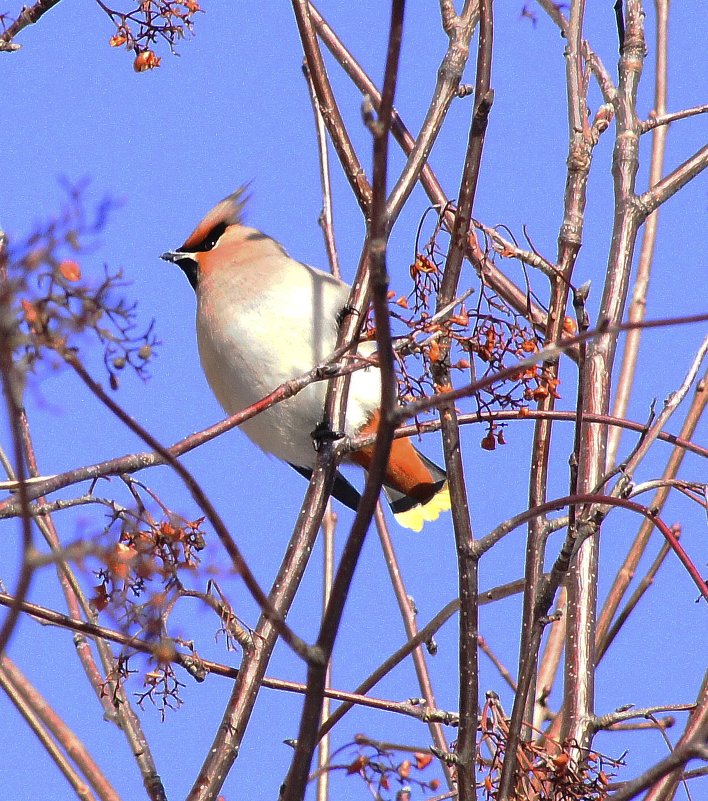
(409, 512)
(342, 490)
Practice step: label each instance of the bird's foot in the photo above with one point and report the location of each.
(323, 433)
(343, 313)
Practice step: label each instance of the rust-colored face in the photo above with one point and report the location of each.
(191, 256)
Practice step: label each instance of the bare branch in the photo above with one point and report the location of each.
(459, 31)
(634, 599)
(670, 185)
(296, 782)
(468, 578)
(664, 775)
(325, 219)
(506, 288)
(671, 403)
(620, 715)
(28, 16)
(47, 724)
(200, 498)
(411, 629)
(329, 525)
(637, 306)
(659, 118)
(626, 572)
(329, 108)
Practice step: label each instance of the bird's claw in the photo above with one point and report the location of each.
(323, 433)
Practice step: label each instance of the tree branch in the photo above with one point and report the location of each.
(27, 16)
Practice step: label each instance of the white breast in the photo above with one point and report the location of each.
(254, 334)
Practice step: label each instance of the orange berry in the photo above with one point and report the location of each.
(117, 40)
(70, 270)
(30, 312)
(488, 443)
(146, 60)
(101, 599)
(422, 760)
(357, 765)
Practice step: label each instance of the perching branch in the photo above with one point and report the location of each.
(27, 16)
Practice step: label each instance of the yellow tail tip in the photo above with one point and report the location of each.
(415, 518)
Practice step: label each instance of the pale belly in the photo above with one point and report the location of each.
(246, 357)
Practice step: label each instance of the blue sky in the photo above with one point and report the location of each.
(168, 144)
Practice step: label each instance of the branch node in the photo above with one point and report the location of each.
(445, 756)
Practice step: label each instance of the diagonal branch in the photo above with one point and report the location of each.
(201, 499)
(28, 16)
(670, 185)
(629, 566)
(407, 609)
(46, 725)
(329, 108)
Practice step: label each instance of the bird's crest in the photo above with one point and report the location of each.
(228, 212)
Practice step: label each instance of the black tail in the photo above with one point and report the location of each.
(342, 490)
(348, 495)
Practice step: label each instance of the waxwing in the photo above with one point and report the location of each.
(264, 318)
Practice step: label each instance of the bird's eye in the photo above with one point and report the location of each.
(209, 240)
(214, 235)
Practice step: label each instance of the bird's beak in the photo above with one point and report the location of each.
(187, 262)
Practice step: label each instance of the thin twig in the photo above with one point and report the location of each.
(29, 713)
(28, 16)
(46, 724)
(628, 568)
(663, 777)
(329, 523)
(326, 216)
(671, 403)
(328, 107)
(638, 303)
(459, 30)
(657, 117)
(634, 599)
(668, 186)
(503, 286)
(200, 498)
(411, 629)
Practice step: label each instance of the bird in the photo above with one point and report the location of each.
(263, 318)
